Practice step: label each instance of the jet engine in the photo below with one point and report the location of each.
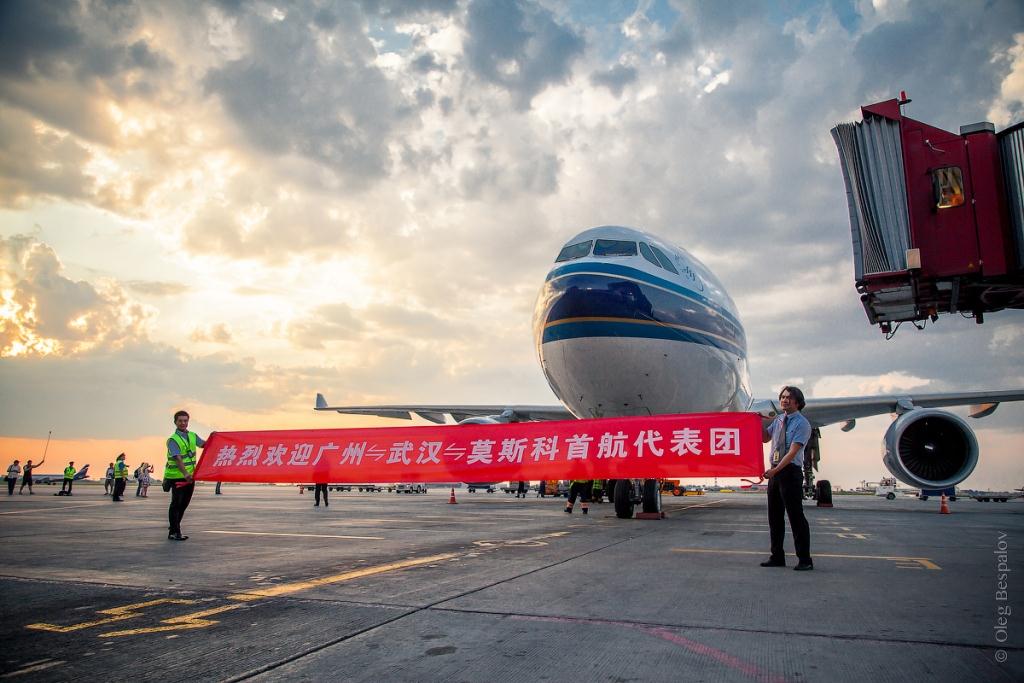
(930, 449)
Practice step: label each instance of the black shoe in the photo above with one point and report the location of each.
(176, 537)
(316, 505)
(584, 510)
(118, 500)
(804, 567)
(568, 510)
(773, 563)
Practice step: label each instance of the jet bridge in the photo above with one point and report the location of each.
(937, 218)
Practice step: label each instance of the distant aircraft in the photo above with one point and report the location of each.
(627, 324)
(58, 478)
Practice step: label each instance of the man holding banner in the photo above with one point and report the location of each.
(788, 433)
(181, 463)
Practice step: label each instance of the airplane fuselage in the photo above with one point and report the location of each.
(626, 324)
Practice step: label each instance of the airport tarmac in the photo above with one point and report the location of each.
(389, 587)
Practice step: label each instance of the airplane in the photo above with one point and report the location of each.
(58, 478)
(627, 324)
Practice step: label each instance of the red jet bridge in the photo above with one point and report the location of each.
(937, 218)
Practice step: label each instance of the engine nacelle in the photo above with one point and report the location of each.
(930, 449)
(483, 420)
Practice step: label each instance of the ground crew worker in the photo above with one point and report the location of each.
(581, 488)
(598, 491)
(181, 463)
(120, 478)
(69, 479)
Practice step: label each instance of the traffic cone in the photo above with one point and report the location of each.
(943, 506)
(451, 498)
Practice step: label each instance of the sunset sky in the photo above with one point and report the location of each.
(229, 206)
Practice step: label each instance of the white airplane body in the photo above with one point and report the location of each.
(627, 324)
(58, 478)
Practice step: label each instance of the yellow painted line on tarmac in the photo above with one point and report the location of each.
(272, 533)
(66, 507)
(668, 508)
(116, 614)
(187, 621)
(916, 562)
(287, 588)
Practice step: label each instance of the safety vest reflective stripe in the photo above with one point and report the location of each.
(188, 457)
(69, 472)
(120, 470)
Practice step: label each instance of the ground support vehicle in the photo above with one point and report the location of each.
(411, 488)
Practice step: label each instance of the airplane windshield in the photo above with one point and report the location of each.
(573, 251)
(646, 252)
(666, 264)
(614, 248)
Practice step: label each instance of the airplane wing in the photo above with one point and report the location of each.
(826, 411)
(436, 413)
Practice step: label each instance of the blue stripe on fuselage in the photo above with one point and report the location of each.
(602, 304)
(614, 269)
(575, 329)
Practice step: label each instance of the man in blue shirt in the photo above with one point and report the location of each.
(788, 433)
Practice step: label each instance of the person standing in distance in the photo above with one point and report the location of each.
(788, 433)
(108, 481)
(120, 478)
(26, 476)
(181, 463)
(12, 477)
(69, 480)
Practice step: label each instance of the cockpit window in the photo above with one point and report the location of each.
(646, 252)
(665, 263)
(578, 250)
(614, 248)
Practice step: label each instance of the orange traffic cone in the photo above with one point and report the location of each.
(451, 498)
(943, 506)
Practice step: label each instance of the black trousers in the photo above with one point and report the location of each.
(10, 485)
(119, 485)
(582, 490)
(181, 496)
(66, 486)
(316, 492)
(786, 497)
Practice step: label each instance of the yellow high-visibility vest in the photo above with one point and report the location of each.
(188, 457)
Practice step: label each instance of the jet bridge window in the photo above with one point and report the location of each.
(614, 248)
(665, 263)
(574, 251)
(948, 186)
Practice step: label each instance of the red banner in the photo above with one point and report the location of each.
(700, 445)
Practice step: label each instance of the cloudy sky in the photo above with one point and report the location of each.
(233, 205)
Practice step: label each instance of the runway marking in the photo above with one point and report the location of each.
(117, 614)
(667, 508)
(911, 562)
(271, 533)
(199, 619)
(33, 667)
(533, 541)
(286, 588)
(187, 621)
(66, 507)
(862, 537)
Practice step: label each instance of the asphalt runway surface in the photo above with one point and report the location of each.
(390, 587)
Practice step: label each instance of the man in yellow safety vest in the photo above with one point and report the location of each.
(181, 463)
(69, 479)
(120, 478)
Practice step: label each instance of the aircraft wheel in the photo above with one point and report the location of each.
(621, 498)
(650, 495)
(677, 492)
(890, 496)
